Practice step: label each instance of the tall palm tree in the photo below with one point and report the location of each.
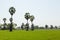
(4, 19)
(31, 19)
(27, 16)
(12, 11)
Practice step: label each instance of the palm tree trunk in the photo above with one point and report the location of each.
(27, 26)
(4, 25)
(11, 24)
(27, 21)
(31, 22)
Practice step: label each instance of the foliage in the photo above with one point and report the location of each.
(32, 18)
(22, 26)
(46, 26)
(4, 19)
(27, 16)
(51, 27)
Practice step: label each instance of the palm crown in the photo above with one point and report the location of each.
(27, 16)
(31, 18)
(4, 19)
(12, 10)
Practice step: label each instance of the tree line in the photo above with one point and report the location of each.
(27, 16)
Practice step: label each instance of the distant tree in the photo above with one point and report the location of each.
(56, 27)
(22, 26)
(4, 19)
(41, 27)
(27, 16)
(31, 19)
(27, 26)
(11, 11)
(8, 25)
(46, 26)
(0, 26)
(32, 27)
(13, 25)
(18, 28)
(51, 27)
(36, 27)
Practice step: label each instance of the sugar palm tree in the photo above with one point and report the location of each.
(22, 26)
(4, 19)
(27, 16)
(31, 19)
(11, 11)
(46, 26)
(56, 27)
(51, 27)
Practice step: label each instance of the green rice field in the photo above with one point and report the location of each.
(42, 34)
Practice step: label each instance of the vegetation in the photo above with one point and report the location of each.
(4, 19)
(45, 34)
(27, 16)
(12, 11)
(40, 33)
(22, 26)
(31, 19)
(46, 26)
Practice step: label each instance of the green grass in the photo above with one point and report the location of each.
(30, 35)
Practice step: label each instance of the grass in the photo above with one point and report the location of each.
(43, 34)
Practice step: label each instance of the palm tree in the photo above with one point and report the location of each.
(51, 27)
(56, 27)
(27, 16)
(46, 26)
(4, 19)
(22, 26)
(31, 19)
(12, 11)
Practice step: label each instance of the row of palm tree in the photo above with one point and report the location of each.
(32, 26)
(51, 27)
(31, 17)
(6, 25)
(27, 17)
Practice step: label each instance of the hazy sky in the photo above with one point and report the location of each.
(45, 11)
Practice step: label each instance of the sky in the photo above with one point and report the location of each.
(44, 11)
